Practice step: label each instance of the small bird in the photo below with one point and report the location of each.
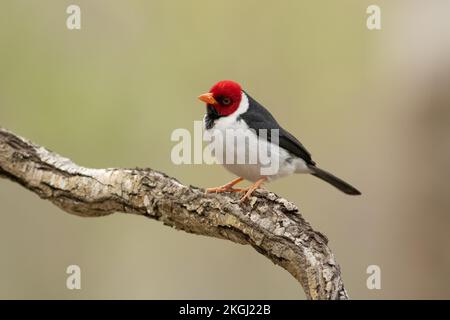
(228, 107)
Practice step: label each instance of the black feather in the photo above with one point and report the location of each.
(211, 116)
(257, 117)
(333, 180)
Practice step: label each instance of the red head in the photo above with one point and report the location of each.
(225, 97)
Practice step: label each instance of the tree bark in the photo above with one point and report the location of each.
(272, 225)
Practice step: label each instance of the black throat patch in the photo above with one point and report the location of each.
(211, 116)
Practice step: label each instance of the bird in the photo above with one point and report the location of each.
(231, 109)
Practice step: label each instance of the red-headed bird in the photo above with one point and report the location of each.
(228, 107)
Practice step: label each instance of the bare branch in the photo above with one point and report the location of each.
(270, 224)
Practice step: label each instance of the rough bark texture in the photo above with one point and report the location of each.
(270, 224)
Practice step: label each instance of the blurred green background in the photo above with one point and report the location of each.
(372, 107)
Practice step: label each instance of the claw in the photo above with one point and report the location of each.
(226, 188)
(229, 188)
(223, 189)
(249, 191)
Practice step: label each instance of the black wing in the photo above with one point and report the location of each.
(257, 117)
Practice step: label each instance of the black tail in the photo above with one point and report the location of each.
(333, 180)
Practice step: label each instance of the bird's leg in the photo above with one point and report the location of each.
(255, 186)
(227, 187)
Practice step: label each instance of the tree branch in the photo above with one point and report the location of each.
(271, 225)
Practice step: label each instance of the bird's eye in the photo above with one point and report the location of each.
(226, 101)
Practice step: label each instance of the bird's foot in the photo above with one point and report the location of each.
(249, 191)
(223, 189)
(226, 188)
